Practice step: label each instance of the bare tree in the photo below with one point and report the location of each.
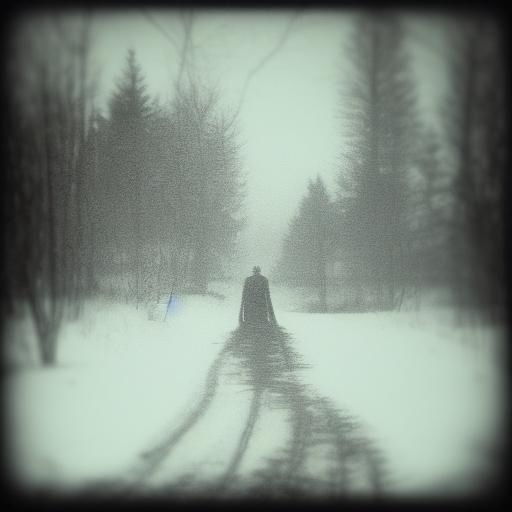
(476, 128)
(46, 120)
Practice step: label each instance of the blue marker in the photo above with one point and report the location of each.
(172, 305)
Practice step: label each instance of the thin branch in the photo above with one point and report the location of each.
(187, 38)
(264, 61)
(161, 29)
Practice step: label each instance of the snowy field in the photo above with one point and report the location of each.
(428, 392)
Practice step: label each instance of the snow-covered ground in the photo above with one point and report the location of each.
(427, 390)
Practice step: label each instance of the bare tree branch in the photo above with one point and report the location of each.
(183, 49)
(187, 46)
(161, 29)
(264, 61)
(188, 20)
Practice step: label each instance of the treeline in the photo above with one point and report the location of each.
(168, 187)
(413, 208)
(141, 199)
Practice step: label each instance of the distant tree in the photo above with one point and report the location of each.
(172, 188)
(379, 108)
(428, 211)
(209, 185)
(309, 242)
(203, 185)
(125, 168)
(95, 223)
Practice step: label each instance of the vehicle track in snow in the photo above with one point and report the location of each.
(326, 453)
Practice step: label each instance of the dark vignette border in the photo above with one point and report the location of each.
(496, 496)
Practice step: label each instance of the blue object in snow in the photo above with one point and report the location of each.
(172, 304)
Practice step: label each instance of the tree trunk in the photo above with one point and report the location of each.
(200, 272)
(322, 287)
(48, 346)
(47, 326)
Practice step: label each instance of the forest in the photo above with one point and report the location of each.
(148, 197)
(130, 219)
(142, 200)
(413, 208)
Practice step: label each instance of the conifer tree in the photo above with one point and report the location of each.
(309, 242)
(379, 106)
(125, 166)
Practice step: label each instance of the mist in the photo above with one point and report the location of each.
(292, 218)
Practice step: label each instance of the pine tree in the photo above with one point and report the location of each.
(209, 184)
(308, 243)
(130, 104)
(175, 177)
(125, 166)
(373, 180)
(429, 207)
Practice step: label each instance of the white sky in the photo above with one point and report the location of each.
(289, 123)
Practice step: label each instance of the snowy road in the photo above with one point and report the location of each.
(325, 405)
(314, 448)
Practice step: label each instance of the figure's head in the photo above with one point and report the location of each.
(256, 270)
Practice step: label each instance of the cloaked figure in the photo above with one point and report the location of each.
(256, 307)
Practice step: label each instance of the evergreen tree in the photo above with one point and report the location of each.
(373, 179)
(125, 167)
(209, 184)
(172, 187)
(429, 206)
(308, 243)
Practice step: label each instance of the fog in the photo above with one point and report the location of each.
(289, 117)
(266, 247)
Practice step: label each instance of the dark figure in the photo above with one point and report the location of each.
(256, 307)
